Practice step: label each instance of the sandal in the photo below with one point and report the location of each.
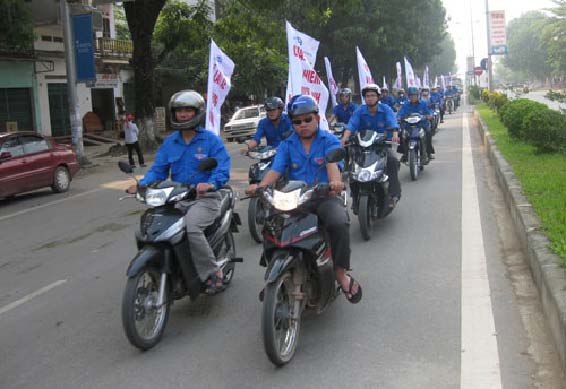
(214, 285)
(354, 298)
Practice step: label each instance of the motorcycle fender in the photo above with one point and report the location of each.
(278, 266)
(412, 144)
(146, 255)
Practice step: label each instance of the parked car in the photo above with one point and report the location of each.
(28, 161)
(243, 124)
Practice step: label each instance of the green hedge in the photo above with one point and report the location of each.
(513, 113)
(546, 130)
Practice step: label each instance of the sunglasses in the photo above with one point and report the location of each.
(299, 121)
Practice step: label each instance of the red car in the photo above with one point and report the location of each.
(28, 161)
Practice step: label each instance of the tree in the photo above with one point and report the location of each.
(16, 29)
(121, 24)
(554, 39)
(445, 61)
(142, 16)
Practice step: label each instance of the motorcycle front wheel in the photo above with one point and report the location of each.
(364, 215)
(280, 331)
(254, 207)
(413, 164)
(143, 321)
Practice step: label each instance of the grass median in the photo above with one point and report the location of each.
(542, 176)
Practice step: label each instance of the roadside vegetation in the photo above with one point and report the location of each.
(532, 138)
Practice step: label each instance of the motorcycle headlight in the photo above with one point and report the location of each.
(286, 201)
(364, 176)
(157, 197)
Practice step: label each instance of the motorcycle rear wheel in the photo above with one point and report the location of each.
(413, 165)
(254, 207)
(143, 322)
(364, 217)
(280, 332)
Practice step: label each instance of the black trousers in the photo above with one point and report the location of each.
(392, 169)
(334, 217)
(131, 147)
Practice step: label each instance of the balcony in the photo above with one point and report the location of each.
(113, 49)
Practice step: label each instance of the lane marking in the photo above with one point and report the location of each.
(35, 208)
(480, 355)
(30, 296)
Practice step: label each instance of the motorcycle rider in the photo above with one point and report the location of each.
(416, 105)
(401, 98)
(386, 98)
(273, 127)
(343, 110)
(436, 98)
(179, 155)
(451, 92)
(302, 154)
(377, 117)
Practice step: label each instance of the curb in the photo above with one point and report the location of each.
(548, 276)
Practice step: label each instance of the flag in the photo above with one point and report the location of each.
(303, 78)
(426, 81)
(409, 74)
(384, 83)
(436, 81)
(220, 69)
(399, 80)
(363, 71)
(419, 84)
(331, 81)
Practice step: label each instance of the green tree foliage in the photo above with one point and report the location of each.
(16, 29)
(121, 24)
(554, 38)
(445, 61)
(526, 51)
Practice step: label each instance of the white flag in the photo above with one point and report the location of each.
(419, 84)
(363, 71)
(303, 79)
(331, 81)
(220, 69)
(385, 83)
(426, 82)
(450, 79)
(409, 74)
(442, 82)
(436, 81)
(399, 80)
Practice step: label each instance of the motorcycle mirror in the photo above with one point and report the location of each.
(335, 155)
(207, 164)
(125, 167)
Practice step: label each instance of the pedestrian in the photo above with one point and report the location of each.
(131, 134)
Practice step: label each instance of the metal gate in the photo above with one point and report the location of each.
(16, 106)
(59, 110)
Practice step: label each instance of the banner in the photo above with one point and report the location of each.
(409, 74)
(220, 69)
(303, 79)
(331, 81)
(450, 79)
(84, 48)
(418, 81)
(497, 34)
(426, 81)
(436, 81)
(442, 82)
(399, 80)
(384, 83)
(363, 72)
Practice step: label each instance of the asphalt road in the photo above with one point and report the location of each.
(62, 272)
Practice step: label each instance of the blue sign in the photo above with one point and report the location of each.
(84, 48)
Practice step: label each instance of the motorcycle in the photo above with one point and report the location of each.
(449, 104)
(435, 118)
(163, 271)
(256, 212)
(414, 138)
(338, 129)
(299, 269)
(367, 164)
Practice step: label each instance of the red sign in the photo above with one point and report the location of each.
(478, 71)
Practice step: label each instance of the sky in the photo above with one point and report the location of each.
(460, 23)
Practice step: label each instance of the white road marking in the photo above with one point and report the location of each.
(30, 296)
(480, 356)
(24, 211)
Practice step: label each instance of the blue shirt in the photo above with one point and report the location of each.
(182, 160)
(383, 119)
(272, 134)
(301, 166)
(342, 114)
(389, 100)
(436, 97)
(450, 92)
(401, 99)
(420, 107)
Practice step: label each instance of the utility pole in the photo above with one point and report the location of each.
(76, 125)
(489, 63)
(473, 48)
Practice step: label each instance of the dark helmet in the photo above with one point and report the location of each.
(412, 90)
(401, 91)
(302, 104)
(189, 99)
(384, 89)
(371, 87)
(274, 102)
(345, 92)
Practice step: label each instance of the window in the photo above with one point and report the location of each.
(57, 39)
(34, 144)
(106, 28)
(46, 38)
(12, 146)
(247, 114)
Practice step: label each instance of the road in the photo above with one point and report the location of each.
(448, 299)
(537, 96)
